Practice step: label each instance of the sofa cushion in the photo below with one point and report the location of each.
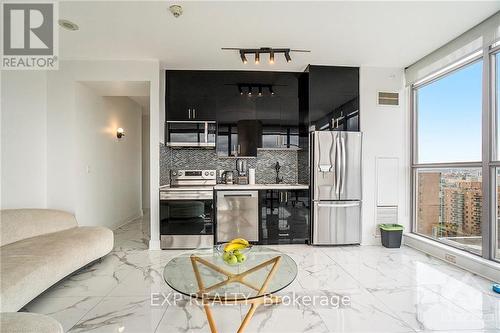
(24, 322)
(17, 224)
(30, 266)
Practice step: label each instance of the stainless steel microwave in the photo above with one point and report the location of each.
(201, 134)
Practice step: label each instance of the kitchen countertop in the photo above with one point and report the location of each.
(261, 187)
(238, 187)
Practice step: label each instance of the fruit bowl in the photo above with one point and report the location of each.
(235, 252)
(220, 248)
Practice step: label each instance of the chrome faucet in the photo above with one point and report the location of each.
(277, 167)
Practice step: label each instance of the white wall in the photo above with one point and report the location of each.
(145, 163)
(61, 157)
(108, 170)
(385, 139)
(23, 139)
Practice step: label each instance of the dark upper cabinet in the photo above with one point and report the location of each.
(284, 217)
(190, 95)
(265, 115)
(330, 97)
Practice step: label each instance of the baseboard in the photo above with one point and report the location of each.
(477, 265)
(154, 244)
(127, 221)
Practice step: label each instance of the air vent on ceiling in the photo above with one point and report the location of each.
(388, 98)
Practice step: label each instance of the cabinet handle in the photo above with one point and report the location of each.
(189, 113)
(239, 149)
(194, 113)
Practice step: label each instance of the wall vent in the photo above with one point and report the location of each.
(386, 215)
(388, 98)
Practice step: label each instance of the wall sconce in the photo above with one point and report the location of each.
(120, 133)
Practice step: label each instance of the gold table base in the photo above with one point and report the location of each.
(255, 302)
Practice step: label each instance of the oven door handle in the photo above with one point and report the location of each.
(179, 195)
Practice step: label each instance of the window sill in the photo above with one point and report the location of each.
(473, 263)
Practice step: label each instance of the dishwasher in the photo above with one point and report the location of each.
(237, 215)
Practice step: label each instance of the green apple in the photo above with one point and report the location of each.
(232, 260)
(226, 256)
(236, 252)
(241, 257)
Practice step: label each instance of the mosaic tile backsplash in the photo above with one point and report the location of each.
(208, 159)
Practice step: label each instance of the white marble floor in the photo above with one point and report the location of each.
(389, 290)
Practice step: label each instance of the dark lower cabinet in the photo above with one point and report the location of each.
(284, 216)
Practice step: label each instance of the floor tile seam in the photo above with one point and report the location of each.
(455, 304)
(87, 312)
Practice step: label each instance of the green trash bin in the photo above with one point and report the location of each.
(391, 235)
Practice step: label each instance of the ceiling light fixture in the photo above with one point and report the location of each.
(243, 57)
(242, 88)
(176, 10)
(263, 50)
(68, 25)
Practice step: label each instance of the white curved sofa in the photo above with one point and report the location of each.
(39, 247)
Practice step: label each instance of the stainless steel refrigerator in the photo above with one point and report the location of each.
(336, 187)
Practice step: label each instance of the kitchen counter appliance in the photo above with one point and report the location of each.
(186, 210)
(237, 215)
(194, 134)
(336, 187)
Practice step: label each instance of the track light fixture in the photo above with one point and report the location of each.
(248, 88)
(243, 57)
(264, 50)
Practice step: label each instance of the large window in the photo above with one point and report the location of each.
(447, 161)
(449, 117)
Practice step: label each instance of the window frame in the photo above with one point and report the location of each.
(493, 101)
(489, 134)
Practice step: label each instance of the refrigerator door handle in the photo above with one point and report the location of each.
(355, 204)
(343, 162)
(337, 166)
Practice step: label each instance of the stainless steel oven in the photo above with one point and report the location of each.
(186, 210)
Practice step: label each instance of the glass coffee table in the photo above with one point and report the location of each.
(203, 274)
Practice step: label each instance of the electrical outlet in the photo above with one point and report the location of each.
(450, 257)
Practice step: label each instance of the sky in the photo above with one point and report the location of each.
(449, 117)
